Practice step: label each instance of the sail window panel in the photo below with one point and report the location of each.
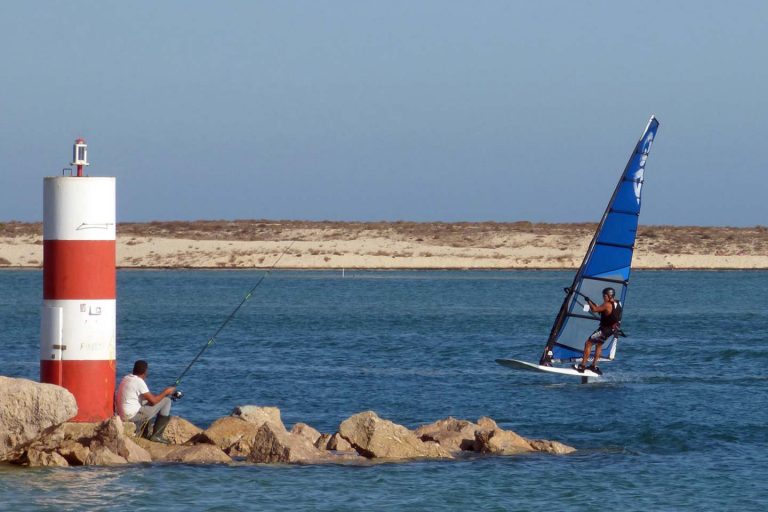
(576, 331)
(608, 258)
(593, 288)
(619, 229)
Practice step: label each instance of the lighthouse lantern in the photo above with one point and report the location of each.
(80, 155)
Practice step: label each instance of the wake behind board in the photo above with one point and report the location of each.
(533, 367)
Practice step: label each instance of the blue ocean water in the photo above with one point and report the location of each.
(678, 423)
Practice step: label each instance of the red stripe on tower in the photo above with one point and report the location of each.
(79, 269)
(77, 335)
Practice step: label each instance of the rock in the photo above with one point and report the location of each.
(81, 432)
(38, 458)
(102, 456)
(334, 443)
(486, 423)
(129, 428)
(28, 408)
(273, 444)
(554, 447)
(322, 441)
(193, 454)
(339, 444)
(304, 430)
(75, 453)
(231, 434)
(180, 431)
(501, 442)
(374, 437)
(197, 454)
(157, 451)
(258, 415)
(452, 434)
(110, 434)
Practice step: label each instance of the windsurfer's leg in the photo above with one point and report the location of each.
(587, 350)
(598, 350)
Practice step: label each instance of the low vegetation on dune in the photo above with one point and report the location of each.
(660, 239)
(329, 244)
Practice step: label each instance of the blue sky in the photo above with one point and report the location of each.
(396, 110)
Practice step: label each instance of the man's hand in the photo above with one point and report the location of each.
(589, 301)
(167, 391)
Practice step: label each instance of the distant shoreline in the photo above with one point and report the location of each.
(354, 246)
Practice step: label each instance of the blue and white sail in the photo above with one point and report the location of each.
(607, 263)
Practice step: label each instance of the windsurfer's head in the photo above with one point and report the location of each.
(609, 293)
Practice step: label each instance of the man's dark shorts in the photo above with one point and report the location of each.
(601, 334)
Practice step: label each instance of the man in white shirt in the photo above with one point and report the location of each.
(137, 404)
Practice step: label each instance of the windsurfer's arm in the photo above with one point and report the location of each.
(606, 306)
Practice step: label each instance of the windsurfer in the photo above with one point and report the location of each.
(610, 318)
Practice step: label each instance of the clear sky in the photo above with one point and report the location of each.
(388, 110)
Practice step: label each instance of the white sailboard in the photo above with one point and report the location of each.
(607, 263)
(533, 367)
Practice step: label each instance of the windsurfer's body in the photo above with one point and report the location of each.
(609, 323)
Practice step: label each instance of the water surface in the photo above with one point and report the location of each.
(679, 422)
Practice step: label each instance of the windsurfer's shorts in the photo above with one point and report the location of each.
(601, 334)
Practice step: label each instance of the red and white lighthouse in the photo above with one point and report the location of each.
(77, 334)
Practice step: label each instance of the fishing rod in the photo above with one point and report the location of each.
(212, 339)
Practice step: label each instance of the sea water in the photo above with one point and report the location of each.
(678, 422)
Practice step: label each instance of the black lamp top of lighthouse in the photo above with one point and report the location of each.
(80, 155)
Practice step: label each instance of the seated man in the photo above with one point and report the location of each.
(135, 403)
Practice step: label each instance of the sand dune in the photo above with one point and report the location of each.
(396, 245)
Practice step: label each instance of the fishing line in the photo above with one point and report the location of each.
(212, 339)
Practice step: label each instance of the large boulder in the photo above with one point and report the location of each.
(486, 423)
(64, 440)
(322, 441)
(304, 430)
(374, 437)
(553, 447)
(197, 454)
(273, 444)
(192, 454)
(80, 444)
(258, 415)
(110, 435)
(339, 444)
(73, 452)
(157, 451)
(41, 458)
(452, 434)
(102, 456)
(180, 431)
(28, 408)
(501, 442)
(231, 434)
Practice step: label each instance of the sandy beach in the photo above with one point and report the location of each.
(396, 245)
